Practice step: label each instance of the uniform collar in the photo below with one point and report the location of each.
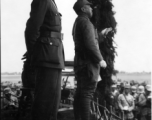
(84, 15)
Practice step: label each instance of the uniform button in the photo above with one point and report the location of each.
(51, 43)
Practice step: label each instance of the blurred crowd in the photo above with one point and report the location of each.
(133, 99)
(10, 94)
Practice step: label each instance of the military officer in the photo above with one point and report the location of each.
(87, 60)
(43, 39)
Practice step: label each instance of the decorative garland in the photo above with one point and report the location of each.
(104, 18)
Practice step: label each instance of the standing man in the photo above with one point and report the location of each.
(126, 103)
(88, 59)
(43, 39)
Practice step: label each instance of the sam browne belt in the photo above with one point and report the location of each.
(52, 34)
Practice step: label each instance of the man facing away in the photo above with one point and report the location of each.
(88, 59)
(45, 51)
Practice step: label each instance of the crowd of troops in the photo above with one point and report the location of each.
(133, 99)
(10, 95)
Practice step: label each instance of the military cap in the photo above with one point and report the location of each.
(7, 90)
(118, 83)
(127, 86)
(79, 4)
(133, 87)
(148, 87)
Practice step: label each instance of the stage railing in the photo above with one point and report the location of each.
(108, 114)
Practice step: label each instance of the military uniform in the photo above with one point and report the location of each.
(86, 65)
(87, 53)
(45, 50)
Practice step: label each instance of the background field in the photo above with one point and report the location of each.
(139, 77)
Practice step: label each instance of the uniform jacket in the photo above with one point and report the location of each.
(126, 100)
(12, 101)
(87, 51)
(44, 17)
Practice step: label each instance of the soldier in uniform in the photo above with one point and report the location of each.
(43, 39)
(88, 59)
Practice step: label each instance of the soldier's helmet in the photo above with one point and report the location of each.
(148, 88)
(127, 86)
(7, 90)
(18, 85)
(4, 85)
(133, 89)
(118, 83)
(13, 86)
(150, 96)
(141, 89)
(79, 4)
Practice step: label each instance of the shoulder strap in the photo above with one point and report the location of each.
(126, 100)
(138, 97)
(144, 95)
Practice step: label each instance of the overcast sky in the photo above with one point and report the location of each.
(134, 34)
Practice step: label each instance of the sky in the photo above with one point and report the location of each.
(133, 37)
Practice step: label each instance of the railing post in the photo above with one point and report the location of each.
(97, 110)
(123, 115)
(104, 103)
(110, 112)
(93, 107)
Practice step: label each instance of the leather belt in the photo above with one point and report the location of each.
(52, 34)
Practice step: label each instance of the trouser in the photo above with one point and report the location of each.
(28, 75)
(47, 94)
(84, 93)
